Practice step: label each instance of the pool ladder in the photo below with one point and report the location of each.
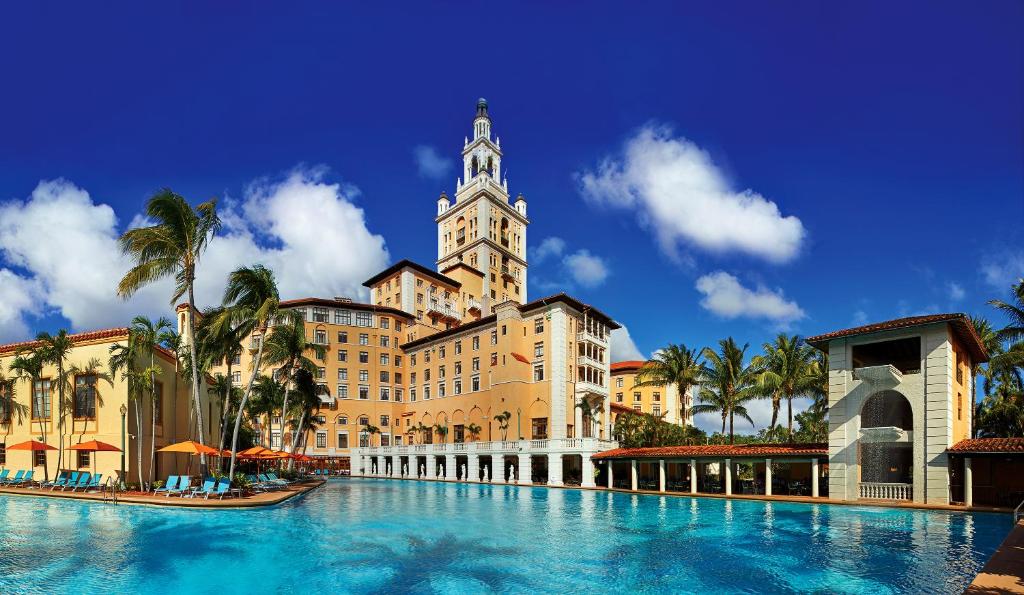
(1018, 514)
(109, 490)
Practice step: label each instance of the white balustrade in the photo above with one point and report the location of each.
(886, 491)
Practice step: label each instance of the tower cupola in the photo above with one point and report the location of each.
(482, 121)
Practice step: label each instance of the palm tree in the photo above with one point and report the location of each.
(252, 302)
(783, 372)
(28, 365)
(287, 346)
(993, 347)
(308, 405)
(442, 431)
(9, 406)
(267, 396)
(371, 430)
(1014, 331)
(589, 410)
(474, 431)
(55, 350)
(172, 248)
(726, 384)
(503, 419)
(675, 365)
(219, 340)
(124, 359)
(151, 337)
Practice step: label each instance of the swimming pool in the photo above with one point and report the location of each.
(376, 535)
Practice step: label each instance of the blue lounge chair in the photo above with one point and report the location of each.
(17, 477)
(275, 479)
(256, 484)
(94, 483)
(83, 480)
(58, 481)
(184, 486)
(69, 477)
(223, 487)
(24, 480)
(172, 483)
(276, 485)
(3, 475)
(208, 486)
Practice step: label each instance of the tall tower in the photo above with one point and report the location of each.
(482, 228)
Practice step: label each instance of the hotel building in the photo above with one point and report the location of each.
(654, 400)
(462, 375)
(97, 407)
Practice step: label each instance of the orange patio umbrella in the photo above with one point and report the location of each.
(95, 446)
(253, 452)
(189, 447)
(32, 445)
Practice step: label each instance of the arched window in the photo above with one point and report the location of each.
(364, 420)
(887, 409)
(342, 420)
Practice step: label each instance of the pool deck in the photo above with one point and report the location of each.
(1004, 572)
(136, 498)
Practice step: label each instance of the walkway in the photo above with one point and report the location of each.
(1004, 572)
(250, 501)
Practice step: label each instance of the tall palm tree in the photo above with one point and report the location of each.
(675, 365)
(220, 340)
(503, 418)
(252, 302)
(307, 404)
(287, 347)
(125, 360)
(785, 371)
(55, 350)
(726, 384)
(267, 396)
(172, 247)
(28, 365)
(1012, 335)
(993, 347)
(152, 336)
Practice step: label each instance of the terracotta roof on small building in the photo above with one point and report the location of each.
(627, 366)
(960, 323)
(718, 450)
(108, 333)
(989, 445)
(401, 264)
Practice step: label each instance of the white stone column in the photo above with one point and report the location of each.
(968, 482)
(449, 467)
(661, 475)
(523, 475)
(767, 477)
(554, 469)
(473, 468)
(611, 474)
(587, 481)
(633, 474)
(728, 477)
(814, 478)
(395, 462)
(693, 476)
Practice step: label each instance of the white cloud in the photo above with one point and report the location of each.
(676, 188)
(622, 346)
(956, 291)
(726, 297)
(430, 163)
(1003, 270)
(760, 411)
(550, 247)
(305, 229)
(586, 269)
(860, 318)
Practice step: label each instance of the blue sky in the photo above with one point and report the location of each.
(704, 170)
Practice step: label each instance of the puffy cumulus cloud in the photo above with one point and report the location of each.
(622, 346)
(430, 163)
(306, 229)
(677, 189)
(1003, 269)
(725, 296)
(760, 411)
(586, 269)
(548, 248)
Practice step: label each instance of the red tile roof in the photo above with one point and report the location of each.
(717, 450)
(108, 333)
(960, 323)
(985, 445)
(627, 365)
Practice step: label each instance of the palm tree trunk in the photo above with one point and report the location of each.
(152, 415)
(138, 439)
(284, 405)
(724, 415)
(776, 405)
(789, 405)
(241, 406)
(732, 420)
(195, 370)
(295, 438)
(60, 413)
(224, 413)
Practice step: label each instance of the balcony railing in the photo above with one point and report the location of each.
(474, 305)
(508, 273)
(444, 309)
(593, 337)
(886, 491)
(539, 446)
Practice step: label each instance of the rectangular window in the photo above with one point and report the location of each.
(412, 359)
(657, 397)
(440, 389)
(426, 357)
(321, 439)
(412, 378)
(636, 396)
(342, 337)
(364, 440)
(476, 343)
(342, 439)
(476, 383)
(959, 406)
(85, 396)
(236, 378)
(385, 393)
(636, 407)
(320, 315)
(364, 375)
(384, 376)
(384, 322)
(494, 359)
(440, 371)
(476, 364)
(398, 395)
(320, 337)
(364, 357)
(384, 358)
(412, 395)
(656, 410)
(364, 339)
(385, 421)
(398, 326)
(385, 340)
(385, 439)
(538, 349)
(539, 425)
(83, 459)
(458, 368)
(538, 325)
(618, 382)
(342, 373)
(364, 392)
(3, 454)
(364, 319)
(618, 397)
(458, 347)
(321, 373)
(440, 352)
(494, 337)
(538, 372)
(426, 393)
(458, 386)
(342, 391)
(342, 355)
(39, 458)
(398, 378)
(41, 399)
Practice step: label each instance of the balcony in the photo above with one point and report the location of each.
(504, 241)
(508, 274)
(443, 309)
(587, 386)
(460, 236)
(495, 447)
(886, 374)
(475, 306)
(594, 337)
(886, 491)
(590, 361)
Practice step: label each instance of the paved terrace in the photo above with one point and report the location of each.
(1004, 572)
(249, 501)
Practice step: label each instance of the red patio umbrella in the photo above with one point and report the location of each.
(34, 446)
(95, 446)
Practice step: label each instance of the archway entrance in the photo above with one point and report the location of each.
(886, 447)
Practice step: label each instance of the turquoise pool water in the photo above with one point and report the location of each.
(369, 536)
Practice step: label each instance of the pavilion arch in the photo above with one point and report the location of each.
(459, 417)
(885, 452)
(476, 415)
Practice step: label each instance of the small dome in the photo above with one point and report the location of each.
(481, 102)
